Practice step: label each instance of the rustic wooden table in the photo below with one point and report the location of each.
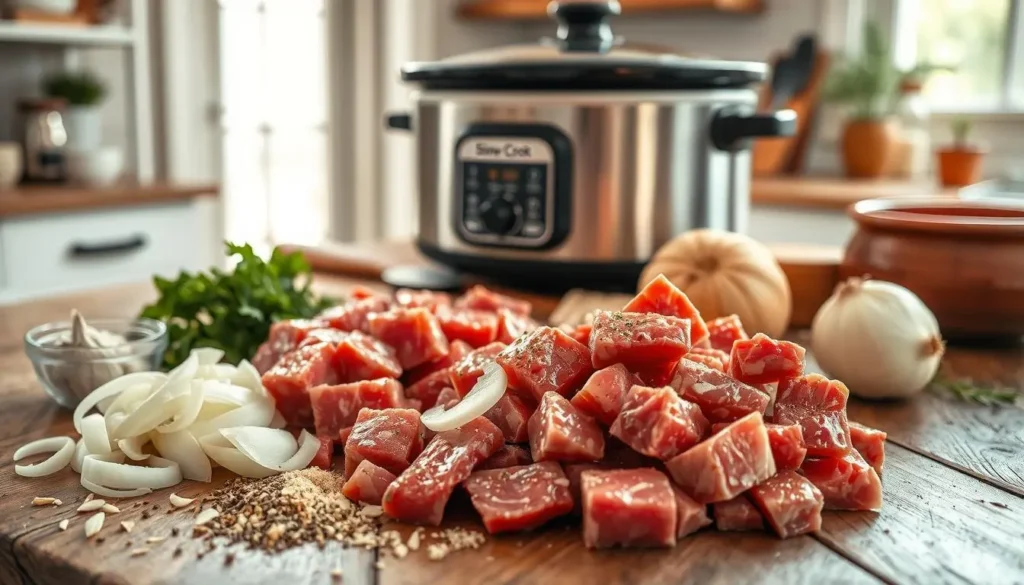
(954, 506)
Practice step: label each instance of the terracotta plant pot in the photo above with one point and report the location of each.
(965, 259)
(868, 146)
(959, 167)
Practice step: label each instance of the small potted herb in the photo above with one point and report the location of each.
(83, 92)
(960, 162)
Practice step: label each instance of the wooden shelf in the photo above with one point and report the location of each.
(33, 199)
(833, 192)
(62, 34)
(537, 9)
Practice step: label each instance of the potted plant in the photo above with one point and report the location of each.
(960, 162)
(83, 92)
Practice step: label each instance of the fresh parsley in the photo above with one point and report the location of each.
(233, 310)
(967, 390)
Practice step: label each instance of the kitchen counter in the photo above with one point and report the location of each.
(835, 193)
(953, 483)
(36, 199)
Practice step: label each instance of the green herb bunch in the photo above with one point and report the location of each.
(77, 89)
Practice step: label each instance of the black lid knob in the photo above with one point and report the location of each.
(583, 26)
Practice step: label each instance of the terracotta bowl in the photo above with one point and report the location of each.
(965, 259)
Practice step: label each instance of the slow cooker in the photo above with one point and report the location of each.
(567, 163)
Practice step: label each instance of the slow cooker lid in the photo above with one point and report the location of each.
(585, 55)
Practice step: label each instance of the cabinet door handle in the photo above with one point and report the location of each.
(108, 248)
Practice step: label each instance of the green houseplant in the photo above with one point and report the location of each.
(84, 92)
(960, 162)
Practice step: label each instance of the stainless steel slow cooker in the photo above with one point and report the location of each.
(569, 162)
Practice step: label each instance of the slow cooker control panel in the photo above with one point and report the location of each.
(509, 188)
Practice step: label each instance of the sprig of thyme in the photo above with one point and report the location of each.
(967, 390)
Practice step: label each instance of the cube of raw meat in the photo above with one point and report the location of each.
(481, 298)
(870, 443)
(656, 375)
(343, 435)
(559, 432)
(519, 498)
(511, 414)
(456, 351)
(762, 359)
(361, 357)
(787, 442)
(428, 389)
(727, 464)
(720, 397)
(847, 482)
(582, 333)
(290, 380)
(324, 457)
(790, 503)
(818, 405)
(737, 515)
(367, 483)
(662, 297)
(421, 492)
(546, 360)
(507, 456)
(336, 407)
(284, 337)
(638, 340)
(360, 292)
(390, 438)
(712, 358)
(691, 515)
(448, 397)
(428, 299)
(724, 331)
(468, 370)
(415, 335)
(353, 315)
(512, 325)
(628, 507)
(602, 395)
(477, 328)
(658, 423)
(617, 456)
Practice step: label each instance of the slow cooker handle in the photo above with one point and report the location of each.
(398, 121)
(583, 26)
(732, 130)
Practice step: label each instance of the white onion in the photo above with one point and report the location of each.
(111, 493)
(207, 356)
(131, 398)
(132, 448)
(187, 414)
(163, 405)
(94, 433)
(487, 391)
(161, 473)
(247, 376)
(63, 449)
(268, 447)
(218, 392)
(309, 445)
(112, 388)
(79, 457)
(278, 421)
(257, 413)
(224, 452)
(182, 448)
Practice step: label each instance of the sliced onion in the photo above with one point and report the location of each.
(182, 448)
(257, 413)
(131, 398)
(268, 447)
(113, 388)
(161, 473)
(94, 433)
(111, 493)
(80, 453)
(278, 421)
(163, 405)
(188, 414)
(219, 372)
(309, 445)
(487, 391)
(132, 448)
(247, 376)
(224, 452)
(63, 449)
(220, 393)
(207, 356)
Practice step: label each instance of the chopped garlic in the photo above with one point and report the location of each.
(206, 515)
(110, 509)
(63, 524)
(91, 505)
(94, 524)
(127, 525)
(180, 502)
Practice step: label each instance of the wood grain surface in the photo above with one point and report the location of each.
(64, 199)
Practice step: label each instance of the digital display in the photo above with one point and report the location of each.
(522, 188)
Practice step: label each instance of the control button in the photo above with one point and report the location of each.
(534, 189)
(499, 216)
(473, 225)
(473, 171)
(533, 229)
(494, 188)
(472, 199)
(472, 183)
(535, 175)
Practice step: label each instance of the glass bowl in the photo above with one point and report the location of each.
(69, 374)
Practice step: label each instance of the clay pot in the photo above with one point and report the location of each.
(965, 259)
(959, 167)
(868, 146)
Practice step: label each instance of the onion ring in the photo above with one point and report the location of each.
(113, 388)
(94, 433)
(257, 413)
(487, 391)
(187, 415)
(63, 449)
(182, 448)
(161, 473)
(110, 493)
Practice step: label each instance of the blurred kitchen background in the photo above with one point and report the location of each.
(157, 128)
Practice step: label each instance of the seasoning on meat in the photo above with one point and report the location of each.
(847, 482)
(662, 297)
(507, 456)
(727, 464)
(484, 299)
(546, 360)
(361, 357)
(790, 504)
(602, 395)
(512, 415)
(477, 328)
(468, 370)
(290, 380)
(519, 498)
(762, 359)
(284, 336)
(658, 423)
(428, 299)
(638, 340)
(353, 315)
(421, 492)
(582, 333)
(414, 334)
(456, 351)
(559, 432)
(737, 515)
(336, 407)
(724, 331)
(720, 397)
(429, 388)
(870, 443)
(628, 507)
(787, 443)
(390, 438)
(818, 405)
(713, 358)
(691, 515)
(367, 483)
(512, 325)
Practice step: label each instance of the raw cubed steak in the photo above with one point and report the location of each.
(292, 377)
(658, 423)
(519, 498)
(628, 507)
(477, 328)
(456, 351)
(512, 325)
(353, 315)
(720, 398)
(712, 358)
(511, 414)
(787, 442)
(324, 455)
(847, 482)
(617, 456)
(546, 360)
(662, 297)
(790, 504)
(367, 483)
(343, 437)
(656, 375)
(727, 464)
(448, 397)
(391, 438)
(336, 407)
(483, 299)
(284, 337)
(638, 340)
(559, 432)
(360, 292)
(361, 357)
(691, 515)
(507, 456)
(602, 395)
(582, 333)
(421, 492)
(818, 405)
(737, 515)
(428, 299)
(428, 389)
(468, 370)
(415, 335)
(762, 359)
(724, 331)
(870, 443)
